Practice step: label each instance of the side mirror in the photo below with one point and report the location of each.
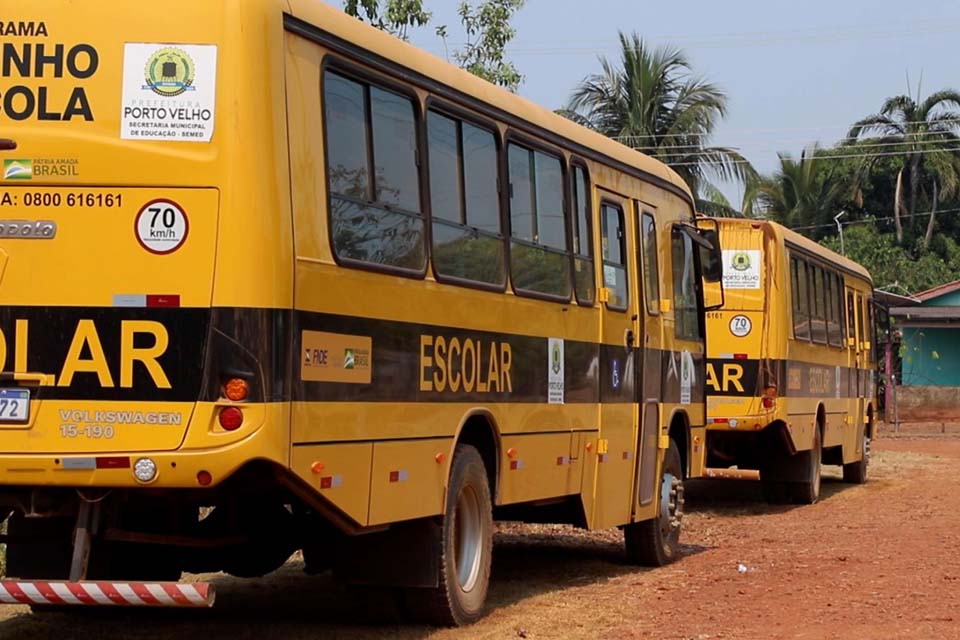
(706, 235)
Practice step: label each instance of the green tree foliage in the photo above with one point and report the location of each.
(893, 266)
(801, 193)
(486, 24)
(392, 16)
(925, 134)
(651, 100)
(488, 32)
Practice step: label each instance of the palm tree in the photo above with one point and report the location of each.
(801, 193)
(651, 101)
(926, 134)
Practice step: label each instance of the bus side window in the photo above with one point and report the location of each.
(614, 256)
(834, 321)
(851, 321)
(817, 307)
(651, 272)
(582, 238)
(464, 203)
(686, 316)
(372, 173)
(801, 300)
(539, 261)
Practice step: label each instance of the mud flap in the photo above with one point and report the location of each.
(406, 555)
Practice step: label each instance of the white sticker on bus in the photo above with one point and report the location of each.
(555, 372)
(741, 268)
(169, 92)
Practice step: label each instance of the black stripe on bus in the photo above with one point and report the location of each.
(793, 378)
(268, 343)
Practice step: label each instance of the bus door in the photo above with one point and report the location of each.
(619, 370)
(859, 362)
(650, 355)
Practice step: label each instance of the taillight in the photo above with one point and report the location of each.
(231, 418)
(769, 396)
(236, 389)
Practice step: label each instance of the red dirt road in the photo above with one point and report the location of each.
(877, 561)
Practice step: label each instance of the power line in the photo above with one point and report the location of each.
(830, 157)
(695, 149)
(733, 41)
(873, 220)
(640, 136)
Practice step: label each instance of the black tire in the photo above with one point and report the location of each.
(856, 472)
(466, 548)
(774, 491)
(807, 489)
(656, 542)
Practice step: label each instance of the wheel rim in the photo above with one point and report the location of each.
(671, 504)
(468, 538)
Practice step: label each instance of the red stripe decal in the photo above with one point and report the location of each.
(14, 590)
(78, 591)
(141, 590)
(47, 592)
(111, 592)
(163, 301)
(115, 462)
(173, 590)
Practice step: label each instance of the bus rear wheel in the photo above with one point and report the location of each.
(656, 542)
(466, 548)
(856, 472)
(807, 489)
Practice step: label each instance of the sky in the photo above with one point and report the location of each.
(794, 72)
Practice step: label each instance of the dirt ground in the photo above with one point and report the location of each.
(877, 561)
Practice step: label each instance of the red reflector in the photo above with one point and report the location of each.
(720, 421)
(394, 476)
(768, 402)
(231, 418)
(163, 301)
(739, 356)
(113, 463)
(204, 478)
(326, 483)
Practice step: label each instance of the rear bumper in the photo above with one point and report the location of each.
(741, 423)
(176, 469)
(125, 594)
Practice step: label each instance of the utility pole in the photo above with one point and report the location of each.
(836, 219)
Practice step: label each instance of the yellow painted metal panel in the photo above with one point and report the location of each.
(407, 480)
(340, 473)
(539, 467)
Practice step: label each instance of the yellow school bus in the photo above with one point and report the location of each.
(791, 361)
(273, 280)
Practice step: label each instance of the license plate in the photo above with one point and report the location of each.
(14, 405)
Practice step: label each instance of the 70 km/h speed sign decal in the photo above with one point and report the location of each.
(741, 326)
(161, 226)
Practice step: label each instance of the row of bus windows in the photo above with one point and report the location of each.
(377, 214)
(817, 303)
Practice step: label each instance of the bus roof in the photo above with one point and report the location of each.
(785, 235)
(358, 35)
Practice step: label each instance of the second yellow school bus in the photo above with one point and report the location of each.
(791, 361)
(273, 280)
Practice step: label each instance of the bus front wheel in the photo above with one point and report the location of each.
(466, 548)
(656, 542)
